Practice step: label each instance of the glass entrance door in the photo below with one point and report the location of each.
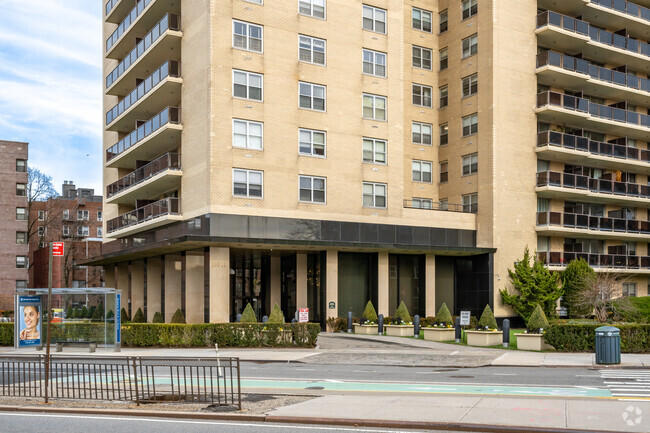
(249, 282)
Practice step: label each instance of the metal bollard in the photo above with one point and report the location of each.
(265, 319)
(294, 320)
(458, 330)
(238, 319)
(380, 324)
(506, 332)
(349, 322)
(416, 326)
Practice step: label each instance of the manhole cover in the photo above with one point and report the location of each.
(446, 369)
(315, 387)
(257, 397)
(462, 377)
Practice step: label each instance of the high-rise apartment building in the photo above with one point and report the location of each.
(323, 153)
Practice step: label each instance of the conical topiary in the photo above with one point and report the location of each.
(77, 313)
(139, 317)
(178, 317)
(84, 313)
(98, 313)
(487, 319)
(124, 316)
(110, 314)
(91, 311)
(537, 321)
(69, 313)
(276, 315)
(403, 313)
(157, 318)
(248, 316)
(369, 313)
(444, 316)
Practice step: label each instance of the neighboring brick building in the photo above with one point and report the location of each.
(13, 214)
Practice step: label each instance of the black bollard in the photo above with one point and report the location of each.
(349, 322)
(416, 326)
(380, 324)
(506, 332)
(265, 319)
(459, 331)
(238, 318)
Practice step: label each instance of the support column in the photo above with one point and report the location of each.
(332, 282)
(137, 286)
(172, 285)
(194, 288)
(276, 283)
(122, 279)
(301, 281)
(154, 280)
(109, 276)
(219, 285)
(383, 284)
(430, 284)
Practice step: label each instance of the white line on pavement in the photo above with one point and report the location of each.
(504, 374)
(454, 352)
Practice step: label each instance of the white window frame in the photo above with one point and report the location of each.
(21, 189)
(40, 231)
(419, 169)
(83, 215)
(470, 122)
(443, 127)
(66, 230)
(66, 214)
(472, 46)
(248, 183)
(41, 215)
(443, 14)
(470, 164)
(21, 238)
(312, 87)
(22, 262)
(311, 180)
(443, 93)
(311, 45)
(372, 142)
(99, 215)
(424, 100)
(25, 214)
(421, 50)
(100, 232)
(312, 132)
(374, 195)
(248, 75)
(422, 20)
(629, 290)
(375, 63)
(418, 135)
(312, 10)
(471, 83)
(83, 231)
(247, 37)
(470, 202)
(445, 165)
(374, 99)
(374, 11)
(247, 135)
(467, 6)
(443, 55)
(421, 203)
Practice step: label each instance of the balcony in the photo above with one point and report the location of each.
(557, 146)
(449, 207)
(564, 224)
(561, 109)
(619, 14)
(162, 43)
(116, 10)
(154, 93)
(559, 70)
(618, 262)
(568, 186)
(151, 180)
(160, 134)
(144, 218)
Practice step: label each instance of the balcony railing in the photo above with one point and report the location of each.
(589, 222)
(110, 4)
(168, 161)
(430, 205)
(166, 206)
(595, 260)
(582, 66)
(168, 115)
(581, 182)
(625, 7)
(583, 105)
(170, 68)
(564, 22)
(575, 142)
(126, 23)
(169, 21)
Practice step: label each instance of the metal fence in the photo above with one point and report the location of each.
(137, 379)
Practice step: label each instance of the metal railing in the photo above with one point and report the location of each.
(166, 206)
(596, 260)
(442, 206)
(582, 182)
(626, 7)
(168, 161)
(584, 144)
(110, 4)
(137, 379)
(126, 23)
(590, 222)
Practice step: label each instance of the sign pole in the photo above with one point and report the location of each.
(49, 322)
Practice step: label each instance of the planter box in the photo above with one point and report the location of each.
(399, 330)
(532, 342)
(484, 338)
(366, 329)
(439, 334)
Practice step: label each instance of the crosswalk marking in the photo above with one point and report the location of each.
(627, 383)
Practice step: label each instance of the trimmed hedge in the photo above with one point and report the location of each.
(6, 334)
(581, 338)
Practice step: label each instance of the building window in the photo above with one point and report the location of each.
(247, 85)
(444, 134)
(312, 8)
(21, 284)
(66, 214)
(421, 20)
(421, 58)
(22, 262)
(422, 203)
(421, 171)
(41, 231)
(21, 214)
(374, 19)
(374, 151)
(444, 59)
(21, 237)
(312, 189)
(66, 230)
(470, 8)
(83, 215)
(21, 189)
(99, 215)
(470, 85)
(374, 63)
(470, 164)
(312, 96)
(422, 95)
(100, 232)
(311, 50)
(374, 107)
(83, 231)
(470, 46)
(247, 134)
(470, 125)
(374, 194)
(247, 183)
(629, 289)
(41, 215)
(444, 172)
(247, 36)
(444, 96)
(470, 203)
(21, 165)
(421, 133)
(312, 142)
(443, 204)
(444, 21)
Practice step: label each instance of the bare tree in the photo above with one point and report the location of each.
(40, 189)
(602, 292)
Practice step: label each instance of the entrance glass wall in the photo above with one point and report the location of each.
(288, 286)
(249, 282)
(315, 288)
(357, 282)
(407, 283)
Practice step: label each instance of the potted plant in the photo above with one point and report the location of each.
(368, 323)
(442, 329)
(486, 333)
(533, 338)
(401, 324)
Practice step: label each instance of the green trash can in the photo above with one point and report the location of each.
(608, 345)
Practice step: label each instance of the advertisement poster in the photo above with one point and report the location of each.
(29, 333)
(118, 318)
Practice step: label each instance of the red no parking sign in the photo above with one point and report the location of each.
(57, 248)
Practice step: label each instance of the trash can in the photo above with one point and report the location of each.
(608, 345)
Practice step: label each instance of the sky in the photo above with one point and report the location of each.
(51, 86)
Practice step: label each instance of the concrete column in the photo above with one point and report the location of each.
(430, 284)
(109, 276)
(154, 272)
(219, 285)
(172, 285)
(123, 284)
(383, 284)
(301, 281)
(332, 282)
(276, 283)
(194, 296)
(137, 286)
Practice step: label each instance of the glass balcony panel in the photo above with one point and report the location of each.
(569, 220)
(582, 66)
(632, 44)
(554, 178)
(554, 59)
(582, 143)
(570, 102)
(569, 180)
(555, 138)
(555, 19)
(617, 41)
(606, 37)
(619, 151)
(606, 224)
(570, 141)
(645, 13)
(594, 71)
(620, 188)
(619, 114)
(631, 117)
(583, 105)
(605, 74)
(582, 27)
(569, 24)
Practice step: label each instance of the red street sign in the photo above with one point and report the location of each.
(57, 248)
(303, 315)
